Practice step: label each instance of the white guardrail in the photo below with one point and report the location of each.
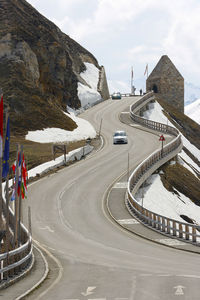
(16, 262)
(181, 230)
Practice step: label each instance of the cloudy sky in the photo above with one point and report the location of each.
(125, 33)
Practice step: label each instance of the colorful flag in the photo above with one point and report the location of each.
(14, 167)
(24, 179)
(146, 70)
(20, 174)
(6, 151)
(1, 127)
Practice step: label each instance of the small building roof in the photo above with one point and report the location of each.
(164, 67)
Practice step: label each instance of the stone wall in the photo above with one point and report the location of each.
(102, 84)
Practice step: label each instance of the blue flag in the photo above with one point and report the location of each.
(6, 151)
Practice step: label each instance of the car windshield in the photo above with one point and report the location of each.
(121, 133)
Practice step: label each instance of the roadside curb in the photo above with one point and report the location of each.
(40, 281)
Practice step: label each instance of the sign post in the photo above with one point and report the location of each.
(162, 139)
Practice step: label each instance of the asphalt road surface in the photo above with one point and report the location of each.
(93, 257)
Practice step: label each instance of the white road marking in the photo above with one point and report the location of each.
(47, 228)
(120, 185)
(190, 276)
(128, 221)
(51, 248)
(179, 290)
(171, 242)
(97, 299)
(89, 291)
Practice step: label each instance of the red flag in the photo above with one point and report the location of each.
(24, 172)
(24, 179)
(14, 167)
(1, 127)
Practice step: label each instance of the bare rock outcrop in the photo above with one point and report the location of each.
(39, 68)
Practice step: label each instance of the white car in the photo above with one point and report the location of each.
(120, 137)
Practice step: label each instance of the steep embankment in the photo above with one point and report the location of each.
(182, 176)
(39, 69)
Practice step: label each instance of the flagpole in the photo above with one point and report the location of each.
(131, 80)
(16, 199)
(1, 150)
(20, 197)
(7, 195)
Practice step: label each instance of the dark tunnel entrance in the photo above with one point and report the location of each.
(155, 89)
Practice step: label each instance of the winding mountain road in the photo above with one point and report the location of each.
(93, 257)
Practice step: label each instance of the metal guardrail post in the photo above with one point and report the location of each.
(163, 224)
(194, 239)
(180, 230)
(187, 232)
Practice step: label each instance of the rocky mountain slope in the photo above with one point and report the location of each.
(39, 69)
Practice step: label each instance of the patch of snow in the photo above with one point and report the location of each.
(157, 199)
(155, 113)
(88, 95)
(192, 110)
(59, 161)
(189, 161)
(83, 131)
(192, 93)
(194, 150)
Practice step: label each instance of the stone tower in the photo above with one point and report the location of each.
(168, 84)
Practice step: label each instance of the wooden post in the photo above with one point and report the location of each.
(159, 224)
(174, 228)
(194, 234)
(154, 221)
(186, 232)
(180, 230)
(168, 225)
(163, 224)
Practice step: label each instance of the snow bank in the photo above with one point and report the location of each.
(59, 161)
(89, 95)
(54, 135)
(159, 200)
(155, 114)
(192, 110)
